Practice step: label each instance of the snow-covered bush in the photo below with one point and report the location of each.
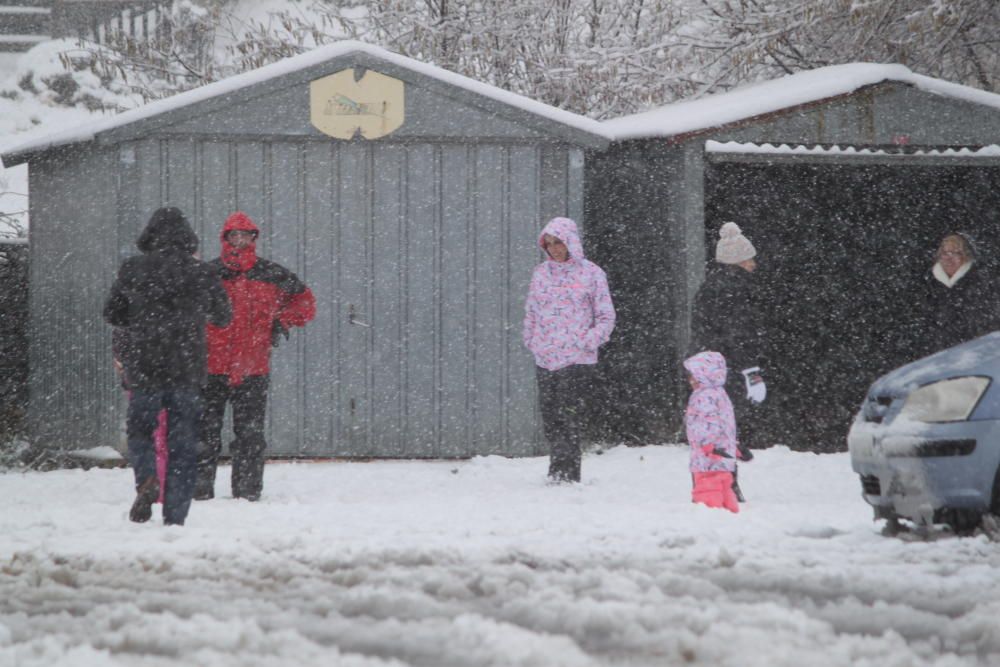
(65, 73)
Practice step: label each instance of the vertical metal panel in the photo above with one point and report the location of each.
(218, 194)
(284, 228)
(43, 299)
(520, 390)
(320, 374)
(574, 185)
(150, 184)
(354, 256)
(129, 206)
(430, 245)
(489, 289)
(251, 179)
(455, 285)
(179, 177)
(421, 302)
(639, 206)
(140, 189)
(102, 388)
(553, 182)
(386, 315)
(130, 211)
(687, 202)
(73, 393)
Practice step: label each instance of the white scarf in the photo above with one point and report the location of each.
(947, 281)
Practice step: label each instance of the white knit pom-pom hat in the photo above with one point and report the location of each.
(733, 247)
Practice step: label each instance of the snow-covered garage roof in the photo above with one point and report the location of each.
(786, 92)
(580, 127)
(752, 148)
(738, 105)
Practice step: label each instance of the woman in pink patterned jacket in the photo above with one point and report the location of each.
(711, 432)
(568, 314)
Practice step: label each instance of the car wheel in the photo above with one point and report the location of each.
(995, 497)
(991, 520)
(964, 522)
(893, 527)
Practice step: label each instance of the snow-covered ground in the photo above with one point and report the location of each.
(479, 562)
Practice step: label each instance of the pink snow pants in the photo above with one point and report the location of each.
(715, 489)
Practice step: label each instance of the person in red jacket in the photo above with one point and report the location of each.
(268, 300)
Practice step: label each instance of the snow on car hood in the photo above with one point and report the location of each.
(976, 357)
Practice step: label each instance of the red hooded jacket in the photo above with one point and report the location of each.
(262, 293)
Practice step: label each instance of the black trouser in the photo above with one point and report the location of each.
(184, 409)
(562, 397)
(736, 388)
(249, 401)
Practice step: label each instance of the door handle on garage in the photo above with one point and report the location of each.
(352, 317)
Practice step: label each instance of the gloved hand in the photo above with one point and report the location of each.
(743, 453)
(715, 452)
(756, 389)
(277, 331)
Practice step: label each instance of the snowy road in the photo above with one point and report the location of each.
(479, 563)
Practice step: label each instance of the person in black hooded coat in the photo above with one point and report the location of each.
(724, 319)
(165, 297)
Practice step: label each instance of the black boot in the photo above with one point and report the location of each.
(145, 496)
(204, 485)
(736, 489)
(248, 468)
(564, 461)
(738, 492)
(248, 477)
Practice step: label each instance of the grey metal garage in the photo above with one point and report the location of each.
(844, 177)
(408, 197)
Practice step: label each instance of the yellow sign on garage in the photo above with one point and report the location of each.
(341, 106)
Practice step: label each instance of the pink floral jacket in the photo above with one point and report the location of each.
(568, 313)
(709, 419)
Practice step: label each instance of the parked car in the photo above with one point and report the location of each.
(926, 442)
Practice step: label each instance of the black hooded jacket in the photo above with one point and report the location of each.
(165, 297)
(724, 318)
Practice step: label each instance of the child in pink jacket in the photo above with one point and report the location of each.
(711, 432)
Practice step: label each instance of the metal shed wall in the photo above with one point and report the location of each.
(73, 249)
(640, 200)
(426, 242)
(13, 335)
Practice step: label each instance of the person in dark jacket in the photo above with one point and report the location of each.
(725, 319)
(166, 297)
(268, 300)
(960, 299)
